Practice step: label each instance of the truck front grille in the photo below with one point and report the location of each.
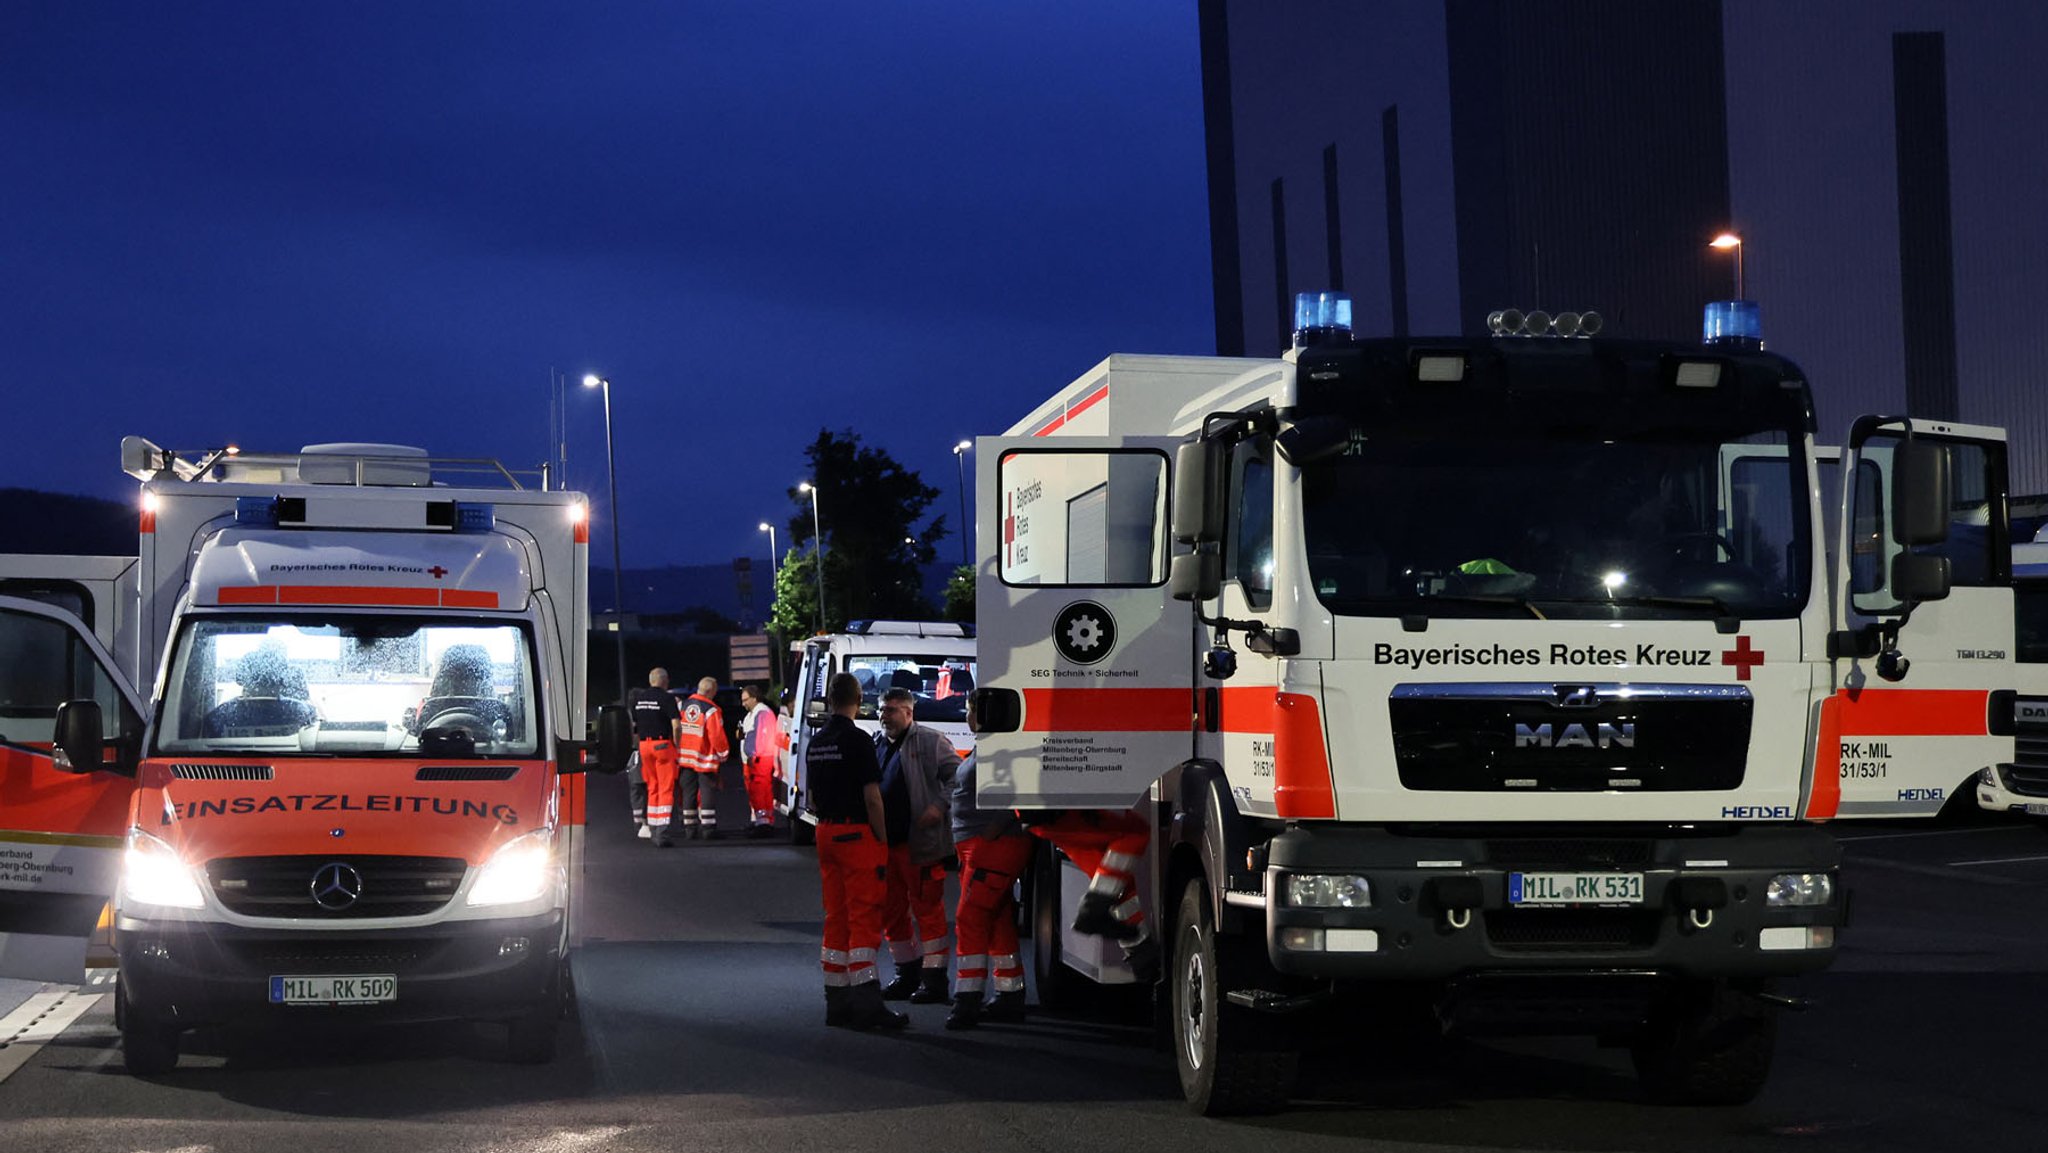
(1569, 853)
(321, 886)
(2028, 775)
(317, 956)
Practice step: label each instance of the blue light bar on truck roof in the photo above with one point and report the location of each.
(1321, 318)
(1733, 322)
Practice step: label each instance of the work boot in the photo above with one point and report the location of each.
(690, 831)
(1096, 918)
(1005, 1008)
(931, 987)
(966, 1012)
(644, 833)
(837, 1016)
(902, 985)
(865, 1010)
(660, 837)
(711, 833)
(1143, 957)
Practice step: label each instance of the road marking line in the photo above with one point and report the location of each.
(38, 1021)
(1947, 874)
(1928, 833)
(2000, 860)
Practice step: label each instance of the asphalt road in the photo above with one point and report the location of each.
(699, 1026)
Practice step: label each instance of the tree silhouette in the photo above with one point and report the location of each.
(868, 503)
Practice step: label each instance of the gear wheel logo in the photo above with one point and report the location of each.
(1084, 632)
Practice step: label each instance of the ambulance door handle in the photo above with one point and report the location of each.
(995, 710)
(1212, 709)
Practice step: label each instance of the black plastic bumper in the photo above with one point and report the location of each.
(206, 974)
(1440, 905)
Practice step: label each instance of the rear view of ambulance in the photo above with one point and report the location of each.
(357, 797)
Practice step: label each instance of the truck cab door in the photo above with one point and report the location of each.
(1911, 719)
(1086, 694)
(61, 833)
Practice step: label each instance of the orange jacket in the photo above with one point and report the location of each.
(704, 742)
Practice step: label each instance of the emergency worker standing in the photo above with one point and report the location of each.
(703, 744)
(918, 766)
(846, 797)
(994, 850)
(1108, 845)
(655, 715)
(760, 753)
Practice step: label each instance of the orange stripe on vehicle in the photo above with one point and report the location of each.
(1302, 786)
(468, 599)
(1824, 799)
(1914, 712)
(149, 520)
(581, 532)
(357, 595)
(571, 810)
(1073, 410)
(246, 595)
(1108, 710)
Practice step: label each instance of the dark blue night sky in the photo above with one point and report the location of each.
(276, 224)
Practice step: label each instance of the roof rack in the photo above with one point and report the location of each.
(348, 464)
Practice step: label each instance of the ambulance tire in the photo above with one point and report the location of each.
(530, 1038)
(1711, 1045)
(1230, 1060)
(1059, 986)
(149, 1047)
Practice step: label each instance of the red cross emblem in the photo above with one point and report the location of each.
(1742, 657)
(1009, 527)
(437, 572)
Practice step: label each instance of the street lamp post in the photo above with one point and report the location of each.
(611, 468)
(960, 459)
(1724, 242)
(817, 546)
(772, 577)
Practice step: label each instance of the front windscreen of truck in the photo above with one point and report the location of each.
(1586, 504)
(350, 686)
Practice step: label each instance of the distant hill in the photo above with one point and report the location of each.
(53, 522)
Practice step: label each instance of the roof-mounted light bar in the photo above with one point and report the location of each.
(1536, 322)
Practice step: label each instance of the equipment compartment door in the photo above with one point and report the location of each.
(60, 833)
(1086, 682)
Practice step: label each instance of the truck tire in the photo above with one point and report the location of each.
(149, 1047)
(1709, 1046)
(530, 1038)
(1059, 987)
(1228, 1061)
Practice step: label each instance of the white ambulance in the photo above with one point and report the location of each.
(1507, 676)
(932, 659)
(354, 793)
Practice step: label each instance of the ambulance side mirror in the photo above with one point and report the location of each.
(614, 738)
(79, 746)
(1195, 576)
(1199, 468)
(814, 713)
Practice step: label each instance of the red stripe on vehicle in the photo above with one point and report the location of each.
(246, 595)
(468, 599)
(1108, 710)
(1824, 799)
(358, 595)
(1073, 410)
(1914, 712)
(1302, 785)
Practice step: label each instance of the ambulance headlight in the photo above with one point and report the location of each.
(1328, 891)
(152, 873)
(521, 870)
(1799, 890)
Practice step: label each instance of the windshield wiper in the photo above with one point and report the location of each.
(1719, 606)
(1483, 599)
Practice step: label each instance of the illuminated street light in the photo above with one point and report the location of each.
(611, 468)
(817, 546)
(770, 530)
(960, 452)
(1724, 242)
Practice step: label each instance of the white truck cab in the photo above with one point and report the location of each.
(2021, 784)
(932, 659)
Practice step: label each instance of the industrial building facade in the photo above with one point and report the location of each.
(1438, 159)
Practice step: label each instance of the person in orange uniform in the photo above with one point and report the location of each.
(1108, 845)
(846, 797)
(760, 752)
(918, 764)
(994, 850)
(655, 715)
(702, 746)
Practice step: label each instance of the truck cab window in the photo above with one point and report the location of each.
(49, 663)
(1252, 529)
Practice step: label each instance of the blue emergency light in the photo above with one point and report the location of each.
(1321, 318)
(261, 510)
(475, 517)
(1733, 322)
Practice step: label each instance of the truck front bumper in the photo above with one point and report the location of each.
(1441, 908)
(193, 974)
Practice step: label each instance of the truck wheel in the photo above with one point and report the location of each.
(149, 1047)
(1059, 987)
(1226, 1065)
(530, 1037)
(1709, 1046)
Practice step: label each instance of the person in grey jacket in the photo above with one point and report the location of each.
(918, 765)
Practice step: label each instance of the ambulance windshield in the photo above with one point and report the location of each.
(1587, 520)
(350, 686)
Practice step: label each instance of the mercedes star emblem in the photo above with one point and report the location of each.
(336, 886)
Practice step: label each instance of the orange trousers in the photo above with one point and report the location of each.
(658, 769)
(986, 919)
(1107, 845)
(853, 871)
(917, 893)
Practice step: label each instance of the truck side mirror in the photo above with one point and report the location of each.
(994, 711)
(1920, 505)
(1194, 576)
(79, 745)
(1917, 578)
(1198, 469)
(614, 738)
(814, 713)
